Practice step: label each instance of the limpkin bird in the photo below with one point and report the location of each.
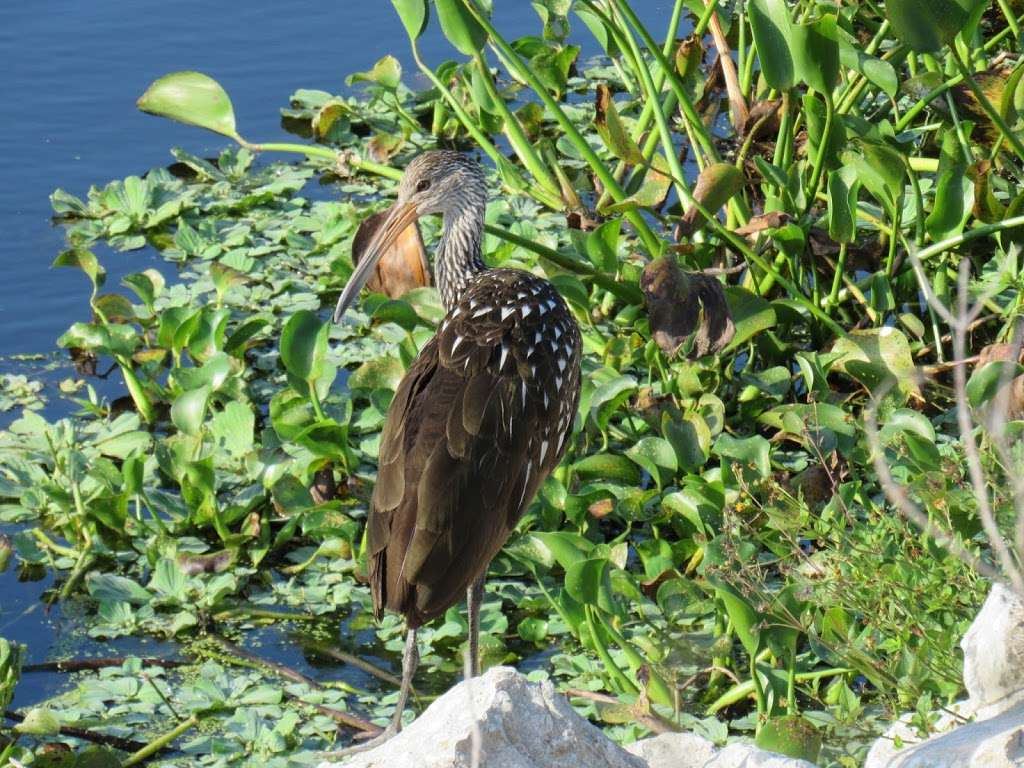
(478, 422)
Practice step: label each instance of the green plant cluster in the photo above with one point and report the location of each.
(716, 551)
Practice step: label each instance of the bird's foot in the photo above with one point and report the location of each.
(390, 732)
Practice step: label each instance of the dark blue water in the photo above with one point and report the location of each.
(71, 72)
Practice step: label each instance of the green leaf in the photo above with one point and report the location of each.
(169, 581)
(84, 260)
(790, 735)
(954, 200)
(188, 412)
(462, 30)
(985, 380)
(602, 246)
(843, 187)
(192, 98)
(232, 429)
(773, 37)
(109, 587)
(379, 373)
(607, 466)
(387, 73)
(656, 456)
(752, 450)
(878, 71)
(588, 582)
(816, 46)
(39, 722)
(750, 314)
(304, 345)
(876, 355)
(533, 630)
(414, 15)
(745, 620)
(927, 25)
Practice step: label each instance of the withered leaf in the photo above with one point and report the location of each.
(715, 186)
(684, 307)
(764, 221)
(611, 130)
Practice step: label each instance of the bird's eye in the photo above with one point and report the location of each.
(423, 186)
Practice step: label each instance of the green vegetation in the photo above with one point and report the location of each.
(717, 551)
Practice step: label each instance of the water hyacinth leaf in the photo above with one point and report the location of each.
(656, 456)
(192, 98)
(379, 373)
(875, 356)
(602, 246)
(715, 186)
(588, 582)
(460, 27)
(816, 47)
(843, 188)
(985, 381)
(188, 412)
(563, 547)
(387, 73)
(745, 620)
(752, 451)
(772, 28)
(750, 313)
(816, 114)
(791, 735)
(987, 207)
(304, 345)
(84, 260)
(414, 15)
(882, 171)
(533, 630)
(878, 71)
(607, 466)
(927, 25)
(611, 130)
(954, 200)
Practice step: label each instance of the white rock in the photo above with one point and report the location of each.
(997, 742)
(884, 751)
(674, 750)
(749, 756)
(521, 725)
(994, 653)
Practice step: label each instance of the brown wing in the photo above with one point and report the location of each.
(477, 424)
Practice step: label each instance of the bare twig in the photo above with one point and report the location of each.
(358, 663)
(84, 665)
(126, 745)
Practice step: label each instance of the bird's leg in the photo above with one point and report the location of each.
(474, 599)
(410, 661)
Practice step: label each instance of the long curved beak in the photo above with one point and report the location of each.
(400, 216)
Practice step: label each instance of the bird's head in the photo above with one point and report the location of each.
(437, 182)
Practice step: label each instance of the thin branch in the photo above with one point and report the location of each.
(126, 745)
